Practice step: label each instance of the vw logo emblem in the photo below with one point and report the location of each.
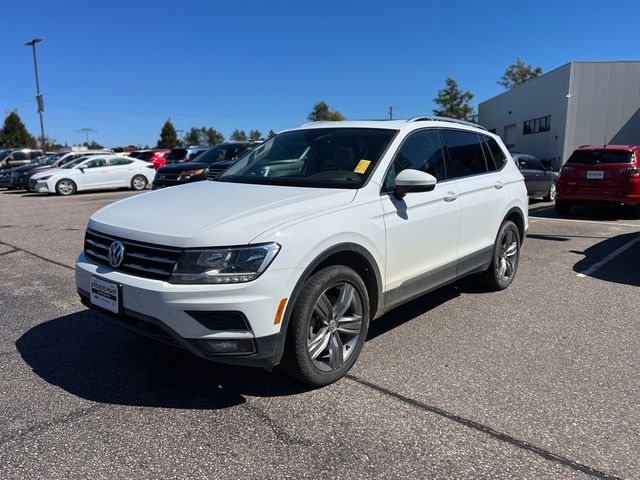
(116, 254)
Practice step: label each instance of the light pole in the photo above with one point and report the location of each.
(39, 100)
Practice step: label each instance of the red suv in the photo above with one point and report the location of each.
(600, 174)
(159, 158)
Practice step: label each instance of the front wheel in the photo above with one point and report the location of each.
(65, 187)
(506, 256)
(328, 328)
(139, 182)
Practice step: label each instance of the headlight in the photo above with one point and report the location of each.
(187, 174)
(43, 178)
(224, 265)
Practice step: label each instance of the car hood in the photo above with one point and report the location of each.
(212, 213)
(53, 171)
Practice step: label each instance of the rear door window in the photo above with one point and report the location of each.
(465, 155)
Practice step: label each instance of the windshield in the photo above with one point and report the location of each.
(318, 157)
(221, 152)
(600, 156)
(49, 159)
(74, 163)
(176, 154)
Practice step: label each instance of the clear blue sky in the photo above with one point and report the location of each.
(123, 67)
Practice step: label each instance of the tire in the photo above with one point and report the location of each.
(562, 207)
(66, 187)
(138, 183)
(551, 197)
(328, 326)
(506, 257)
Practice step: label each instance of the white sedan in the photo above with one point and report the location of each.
(93, 173)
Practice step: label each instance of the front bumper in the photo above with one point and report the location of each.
(159, 309)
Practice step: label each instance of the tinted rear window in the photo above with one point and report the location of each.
(177, 154)
(600, 156)
(145, 155)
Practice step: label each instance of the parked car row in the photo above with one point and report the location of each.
(217, 159)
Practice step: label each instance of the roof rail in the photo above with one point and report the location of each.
(424, 118)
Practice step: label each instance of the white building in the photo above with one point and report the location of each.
(580, 103)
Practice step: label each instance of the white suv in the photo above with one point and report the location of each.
(288, 255)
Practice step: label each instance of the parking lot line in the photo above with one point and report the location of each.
(613, 224)
(608, 258)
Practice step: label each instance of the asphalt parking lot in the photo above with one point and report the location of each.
(538, 381)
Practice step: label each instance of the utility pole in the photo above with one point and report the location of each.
(39, 99)
(390, 112)
(86, 131)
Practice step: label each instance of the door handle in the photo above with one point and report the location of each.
(499, 185)
(450, 197)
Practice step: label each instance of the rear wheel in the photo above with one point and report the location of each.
(562, 207)
(329, 325)
(139, 182)
(551, 197)
(506, 256)
(65, 187)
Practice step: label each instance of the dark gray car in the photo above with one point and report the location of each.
(540, 181)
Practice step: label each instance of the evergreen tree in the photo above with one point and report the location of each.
(168, 135)
(93, 145)
(322, 112)
(193, 137)
(453, 102)
(213, 137)
(238, 135)
(254, 134)
(15, 134)
(271, 134)
(518, 73)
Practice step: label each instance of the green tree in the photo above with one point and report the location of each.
(238, 135)
(322, 112)
(15, 134)
(213, 137)
(271, 134)
(193, 137)
(168, 135)
(453, 102)
(518, 73)
(254, 134)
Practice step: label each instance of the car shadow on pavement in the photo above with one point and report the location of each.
(92, 358)
(623, 268)
(589, 212)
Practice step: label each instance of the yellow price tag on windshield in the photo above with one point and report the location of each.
(362, 166)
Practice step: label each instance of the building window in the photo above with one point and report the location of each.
(537, 125)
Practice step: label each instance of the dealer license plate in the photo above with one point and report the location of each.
(595, 175)
(105, 295)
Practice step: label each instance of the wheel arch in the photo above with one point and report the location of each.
(351, 255)
(516, 215)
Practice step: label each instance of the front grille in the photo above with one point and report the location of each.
(214, 172)
(167, 177)
(141, 259)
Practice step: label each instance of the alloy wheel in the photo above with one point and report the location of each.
(65, 187)
(508, 255)
(552, 192)
(139, 183)
(335, 326)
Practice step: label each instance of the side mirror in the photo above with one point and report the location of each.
(410, 181)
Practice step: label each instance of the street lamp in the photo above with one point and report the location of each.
(32, 44)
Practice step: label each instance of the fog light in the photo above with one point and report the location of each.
(244, 345)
